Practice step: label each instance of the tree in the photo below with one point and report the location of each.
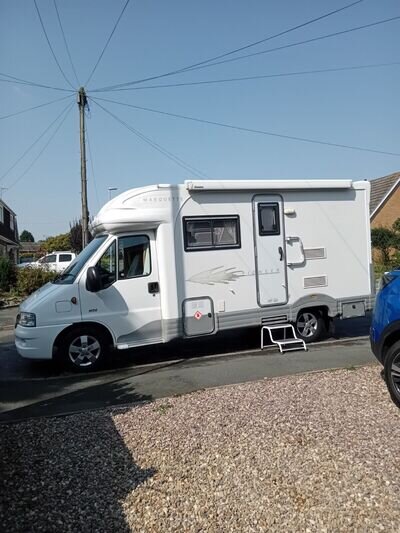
(60, 242)
(26, 236)
(396, 225)
(75, 231)
(384, 239)
(76, 235)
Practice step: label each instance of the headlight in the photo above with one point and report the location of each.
(26, 319)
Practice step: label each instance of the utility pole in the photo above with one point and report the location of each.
(82, 103)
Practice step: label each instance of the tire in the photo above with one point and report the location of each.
(310, 325)
(84, 349)
(392, 372)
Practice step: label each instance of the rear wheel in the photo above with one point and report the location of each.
(392, 372)
(310, 325)
(84, 349)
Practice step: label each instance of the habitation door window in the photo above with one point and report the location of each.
(134, 256)
(268, 219)
(209, 233)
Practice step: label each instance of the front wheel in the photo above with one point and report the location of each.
(310, 325)
(392, 372)
(84, 349)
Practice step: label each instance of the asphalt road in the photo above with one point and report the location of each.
(30, 389)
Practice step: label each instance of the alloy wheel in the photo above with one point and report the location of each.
(84, 351)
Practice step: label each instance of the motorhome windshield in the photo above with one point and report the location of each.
(70, 273)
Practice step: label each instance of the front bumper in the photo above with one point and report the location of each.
(38, 342)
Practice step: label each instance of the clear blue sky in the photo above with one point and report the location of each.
(358, 107)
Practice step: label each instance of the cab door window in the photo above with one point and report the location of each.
(107, 266)
(133, 257)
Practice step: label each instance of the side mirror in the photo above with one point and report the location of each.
(94, 282)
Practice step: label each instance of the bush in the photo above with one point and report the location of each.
(29, 279)
(7, 274)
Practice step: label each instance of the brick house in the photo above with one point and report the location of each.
(9, 240)
(384, 207)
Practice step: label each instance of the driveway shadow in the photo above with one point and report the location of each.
(66, 474)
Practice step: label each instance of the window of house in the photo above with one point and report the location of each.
(1, 214)
(268, 219)
(133, 256)
(12, 221)
(107, 266)
(209, 233)
(63, 258)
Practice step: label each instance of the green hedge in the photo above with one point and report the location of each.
(29, 279)
(8, 274)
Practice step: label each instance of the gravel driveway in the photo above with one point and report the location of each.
(315, 452)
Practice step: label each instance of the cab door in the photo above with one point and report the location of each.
(270, 250)
(129, 302)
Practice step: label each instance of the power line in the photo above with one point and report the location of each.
(249, 78)
(291, 45)
(34, 143)
(66, 44)
(13, 79)
(51, 48)
(177, 160)
(34, 107)
(251, 130)
(42, 150)
(255, 43)
(107, 42)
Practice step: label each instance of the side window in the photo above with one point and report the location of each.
(50, 259)
(211, 233)
(133, 257)
(268, 219)
(107, 265)
(64, 258)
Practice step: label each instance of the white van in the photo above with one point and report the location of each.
(189, 260)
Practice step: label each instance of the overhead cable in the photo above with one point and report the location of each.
(251, 130)
(66, 44)
(107, 42)
(249, 45)
(34, 107)
(51, 48)
(34, 143)
(249, 78)
(43, 149)
(177, 160)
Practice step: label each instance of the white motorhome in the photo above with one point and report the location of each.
(190, 260)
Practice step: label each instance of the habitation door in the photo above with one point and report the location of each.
(270, 250)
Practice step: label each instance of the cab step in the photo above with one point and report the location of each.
(289, 343)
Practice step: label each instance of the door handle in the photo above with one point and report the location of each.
(280, 250)
(153, 287)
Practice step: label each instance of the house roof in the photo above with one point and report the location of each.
(2, 202)
(381, 189)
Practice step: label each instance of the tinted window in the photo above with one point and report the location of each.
(133, 257)
(268, 219)
(208, 233)
(64, 257)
